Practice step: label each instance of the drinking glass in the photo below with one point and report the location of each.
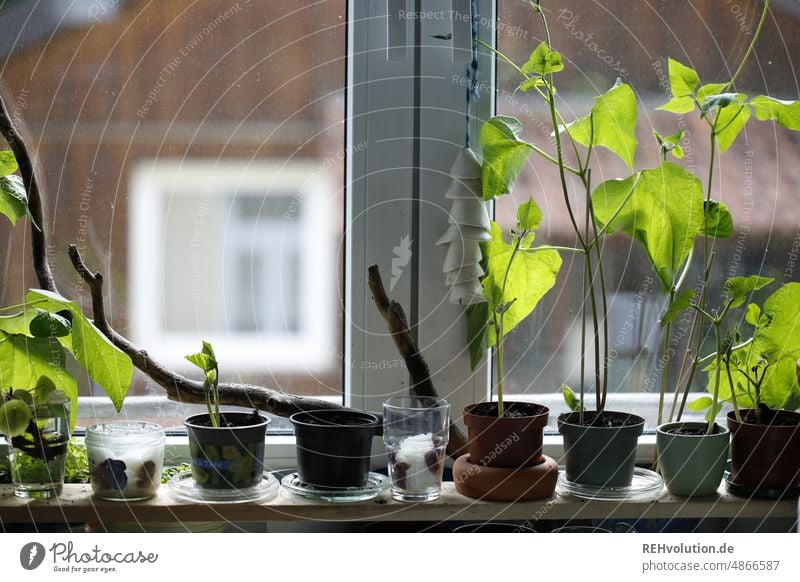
(416, 430)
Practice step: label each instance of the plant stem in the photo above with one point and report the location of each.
(665, 360)
(553, 248)
(733, 390)
(752, 45)
(713, 355)
(717, 375)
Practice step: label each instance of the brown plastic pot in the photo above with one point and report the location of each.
(765, 456)
(507, 442)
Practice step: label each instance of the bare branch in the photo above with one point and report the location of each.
(41, 263)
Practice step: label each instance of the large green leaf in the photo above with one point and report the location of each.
(780, 388)
(710, 89)
(719, 223)
(680, 304)
(8, 163)
(664, 211)
(543, 61)
(611, 123)
(23, 360)
(504, 155)
(780, 336)
(678, 105)
(529, 215)
(531, 275)
(682, 79)
(786, 113)
(105, 363)
(13, 200)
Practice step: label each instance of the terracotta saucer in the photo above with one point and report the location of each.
(501, 484)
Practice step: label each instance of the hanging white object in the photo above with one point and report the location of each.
(468, 227)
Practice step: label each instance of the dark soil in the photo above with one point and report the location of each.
(692, 431)
(607, 419)
(770, 417)
(512, 409)
(251, 419)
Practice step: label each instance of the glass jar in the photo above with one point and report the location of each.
(37, 457)
(125, 459)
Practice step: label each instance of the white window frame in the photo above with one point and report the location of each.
(152, 182)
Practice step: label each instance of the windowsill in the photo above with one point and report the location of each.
(78, 505)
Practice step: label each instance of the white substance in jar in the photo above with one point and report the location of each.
(125, 459)
(419, 460)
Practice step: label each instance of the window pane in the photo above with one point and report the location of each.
(755, 178)
(194, 153)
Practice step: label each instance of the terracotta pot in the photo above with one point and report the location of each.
(764, 456)
(505, 484)
(600, 456)
(508, 442)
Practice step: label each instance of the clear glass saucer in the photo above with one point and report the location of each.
(183, 487)
(646, 485)
(376, 483)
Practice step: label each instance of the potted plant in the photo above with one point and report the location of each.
(600, 445)
(226, 448)
(36, 426)
(692, 456)
(758, 376)
(505, 460)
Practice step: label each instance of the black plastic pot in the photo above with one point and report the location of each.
(227, 457)
(334, 447)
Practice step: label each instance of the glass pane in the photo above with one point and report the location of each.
(603, 41)
(194, 153)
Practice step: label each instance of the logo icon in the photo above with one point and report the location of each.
(31, 555)
(402, 255)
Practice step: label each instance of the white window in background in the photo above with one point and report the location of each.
(238, 254)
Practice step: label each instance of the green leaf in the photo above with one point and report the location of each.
(13, 200)
(15, 415)
(678, 105)
(543, 61)
(572, 401)
(700, 404)
(729, 124)
(45, 324)
(19, 323)
(477, 324)
(786, 113)
(8, 163)
(614, 119)
(780, 388)
(712, 413)
(106, 364)
(529, 215)
(670, 143)
(753, 314)
(682, 79)
(720, 221)
(681, 303)
(740, 287)
(24, 360)
(531, 275)
(530, 83)
(664, 212)
(710, 89)
(504, 155)
(447, 36)
(780, 336)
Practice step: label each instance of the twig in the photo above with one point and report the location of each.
(421, 383)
